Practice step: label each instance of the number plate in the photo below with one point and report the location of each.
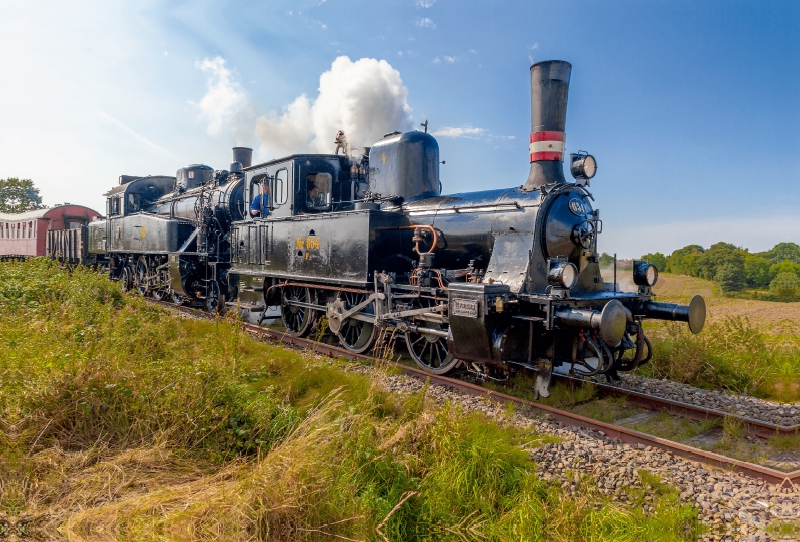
(465, 307)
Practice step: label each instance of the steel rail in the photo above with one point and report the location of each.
(623, 434)
(687, 410)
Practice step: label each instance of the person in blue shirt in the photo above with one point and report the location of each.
(256, 206)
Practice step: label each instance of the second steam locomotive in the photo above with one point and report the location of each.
(493, 281)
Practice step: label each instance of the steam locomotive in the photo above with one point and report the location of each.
(495, 281)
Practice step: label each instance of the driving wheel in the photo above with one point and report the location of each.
(126, 279)
(296, 317)
(141, 276)
(356, 332)
(429, 348)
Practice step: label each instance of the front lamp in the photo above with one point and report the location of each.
(644, 274)
(583, 167)
(563, 274)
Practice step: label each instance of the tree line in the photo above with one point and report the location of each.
(735, 268)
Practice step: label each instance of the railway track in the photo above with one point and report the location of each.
(758, 427)
(623, 434)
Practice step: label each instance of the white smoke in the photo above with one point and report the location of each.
(225, 103)
(365, 99)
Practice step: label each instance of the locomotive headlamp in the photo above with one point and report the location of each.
(583, 166)
(562, 274)
(644, 274)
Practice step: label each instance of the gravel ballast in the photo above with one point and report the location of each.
(732, 506)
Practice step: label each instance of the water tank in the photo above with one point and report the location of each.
(405, 165)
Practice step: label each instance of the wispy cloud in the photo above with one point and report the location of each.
(127, 130)
(532, 48)
(425, 3)
(469, 132)
(425, 22)
(459, 131)
(225, 98)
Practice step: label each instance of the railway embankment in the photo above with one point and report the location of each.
(123, 421)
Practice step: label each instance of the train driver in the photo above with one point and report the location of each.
(260, 204)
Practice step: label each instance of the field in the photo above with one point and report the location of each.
(121, 421)
(747, 346)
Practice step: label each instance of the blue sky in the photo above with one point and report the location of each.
(691, 108)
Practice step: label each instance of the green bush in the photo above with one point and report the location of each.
(785, 286)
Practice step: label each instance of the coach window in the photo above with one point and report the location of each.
(318, 191)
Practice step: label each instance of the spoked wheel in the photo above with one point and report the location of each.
(141, 276)
(162, 289)
(626, 358)
(593, 359)
(213, 297)
(126, 279)
(429, 350)
(297, 318)
(355, 334)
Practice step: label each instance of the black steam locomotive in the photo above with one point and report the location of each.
(493, 281)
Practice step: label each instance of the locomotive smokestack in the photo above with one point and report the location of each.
(243, 155)
(549, 89)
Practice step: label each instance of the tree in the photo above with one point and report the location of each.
(718, 255)
(677, 262)
(756, 271)
(730, 277)
(606, 260)
(785, 266)
(657, 259)
(783, 251)
(19, 195)
(786, 286)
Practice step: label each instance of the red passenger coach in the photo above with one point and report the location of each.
(24, 234)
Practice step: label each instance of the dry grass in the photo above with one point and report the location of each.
(769, 316)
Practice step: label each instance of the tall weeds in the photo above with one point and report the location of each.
(124, 422)
(730, 353)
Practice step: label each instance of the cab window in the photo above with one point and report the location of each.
(281, 186)
(113, 206)
(318, 191)
(132, 203)
(259, 206)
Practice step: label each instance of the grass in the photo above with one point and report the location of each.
(746, 347)
(123, 421)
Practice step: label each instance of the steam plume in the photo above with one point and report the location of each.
(365, 98)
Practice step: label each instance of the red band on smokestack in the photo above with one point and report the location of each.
(548, 136)
(547, 145)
